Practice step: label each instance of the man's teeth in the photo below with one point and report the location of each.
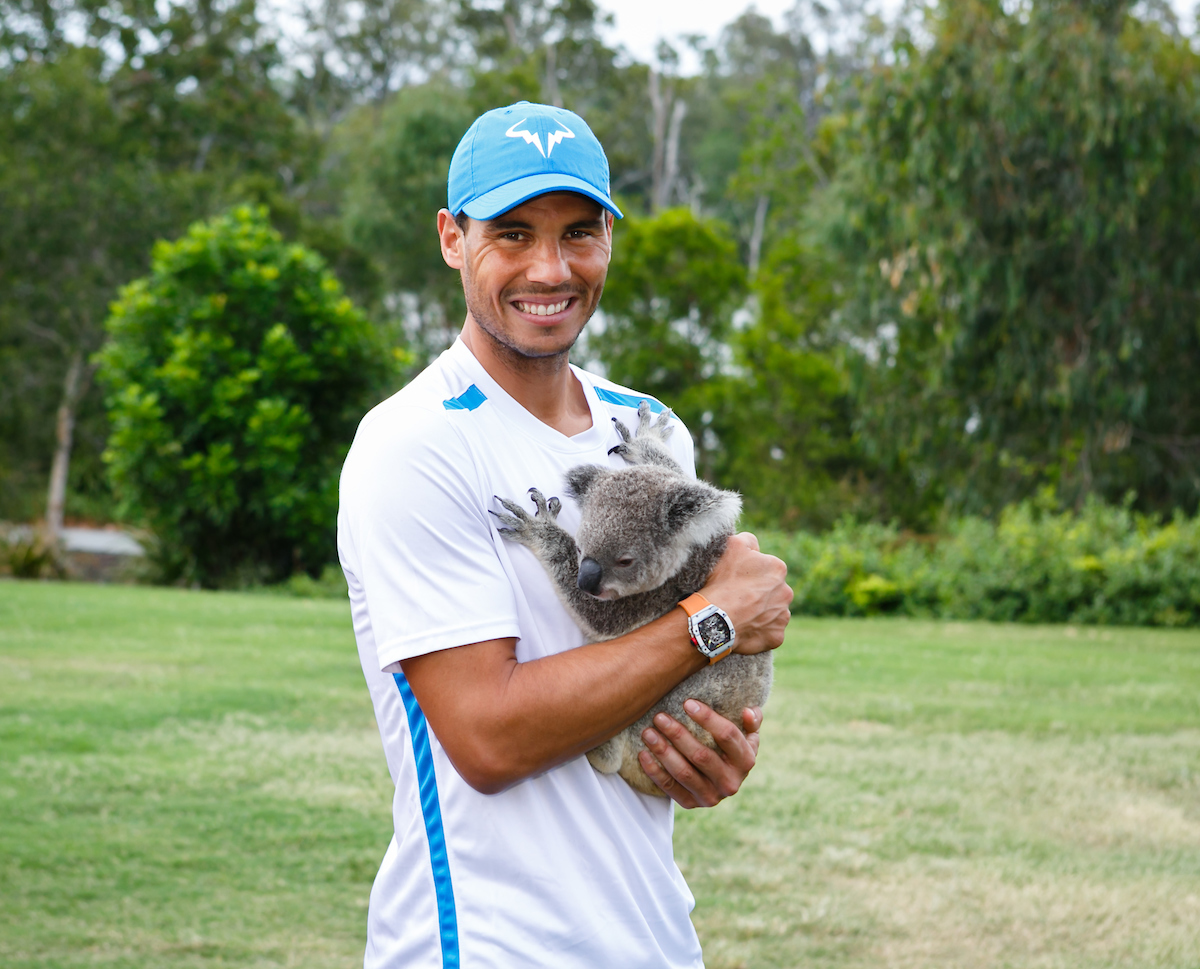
(543, 309)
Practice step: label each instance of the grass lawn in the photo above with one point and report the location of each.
(194, 779)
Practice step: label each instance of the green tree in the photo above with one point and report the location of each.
(765, 399)
(673, 285)
(82, 203)
(1017, 209)
(235, 373)
(784, 418)
(397, 162)
(119, 123)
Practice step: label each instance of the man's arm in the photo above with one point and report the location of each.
(501, 721)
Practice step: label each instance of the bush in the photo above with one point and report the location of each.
(1104, 564)
(25, 554)
(235, 374)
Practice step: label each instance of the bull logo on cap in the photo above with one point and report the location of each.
(532, 138)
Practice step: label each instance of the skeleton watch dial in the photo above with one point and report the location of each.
(709, 627)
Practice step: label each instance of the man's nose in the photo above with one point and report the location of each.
(549, 266)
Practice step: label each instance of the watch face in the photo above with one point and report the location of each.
(714, 632)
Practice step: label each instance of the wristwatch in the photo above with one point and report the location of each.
(709, 627)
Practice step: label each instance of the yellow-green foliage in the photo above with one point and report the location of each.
(1103, 564)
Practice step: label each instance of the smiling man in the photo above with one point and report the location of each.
(509, 849)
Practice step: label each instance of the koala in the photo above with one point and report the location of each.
(648, 538)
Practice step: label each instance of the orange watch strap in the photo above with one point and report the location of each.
(694, 603)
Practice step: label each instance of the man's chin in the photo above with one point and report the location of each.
(541, 343)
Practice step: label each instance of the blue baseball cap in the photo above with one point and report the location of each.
(510, 155)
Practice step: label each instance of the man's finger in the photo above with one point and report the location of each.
(734, 744)
(688, 761)
(666, 783)
(709, 774)
(679, 768)
(749, 538)
(752, 718)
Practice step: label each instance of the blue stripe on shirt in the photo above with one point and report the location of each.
(627, 400)
(431, 810)
(469, 399)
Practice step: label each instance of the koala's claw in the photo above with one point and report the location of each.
(513, 522)
(644, 414)
(520, 526)
(648, 444)
(547, 509)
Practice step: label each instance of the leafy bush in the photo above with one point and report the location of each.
(1104, 564)
(235, 374)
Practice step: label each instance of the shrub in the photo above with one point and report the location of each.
(29, 556)
(1103, 564)
(235, 374)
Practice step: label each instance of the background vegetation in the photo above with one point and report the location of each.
(1106, 565)
(235, 372)
(194, 779)
(905, 271)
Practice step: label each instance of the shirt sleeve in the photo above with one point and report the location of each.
(420, 540)
(684, 448)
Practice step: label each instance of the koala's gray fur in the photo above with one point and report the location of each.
(648, 538)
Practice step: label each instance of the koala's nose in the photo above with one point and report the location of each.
(589, 575)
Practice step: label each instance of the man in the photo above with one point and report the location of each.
(509, 849)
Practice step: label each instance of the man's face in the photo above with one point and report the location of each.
(533, 276)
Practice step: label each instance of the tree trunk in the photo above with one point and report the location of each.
(658, 105)
(756, 235)
(75, 385)
(671, 162)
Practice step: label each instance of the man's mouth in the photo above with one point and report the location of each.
(542, 309)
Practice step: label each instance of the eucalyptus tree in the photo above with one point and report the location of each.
(82, 203)
(119, 122)
(397, 157)
(1017, 207)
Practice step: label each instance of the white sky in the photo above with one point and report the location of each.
(640, 23)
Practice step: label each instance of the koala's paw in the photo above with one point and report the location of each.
(530, 530)
(648, 445)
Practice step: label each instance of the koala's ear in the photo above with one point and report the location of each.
(686, 504)
(580, 479)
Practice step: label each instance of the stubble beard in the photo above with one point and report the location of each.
(515, 355)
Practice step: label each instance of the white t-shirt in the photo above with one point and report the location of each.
(571, 868)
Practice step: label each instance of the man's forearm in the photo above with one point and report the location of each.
(501, 721)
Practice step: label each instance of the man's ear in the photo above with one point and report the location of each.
(580, 480)
(452, 239)
(611, 222)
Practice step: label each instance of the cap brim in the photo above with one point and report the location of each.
(512, 194)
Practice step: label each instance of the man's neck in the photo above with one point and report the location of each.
(544, 386)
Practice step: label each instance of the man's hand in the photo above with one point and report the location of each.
(691, 774)
(752, 589)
